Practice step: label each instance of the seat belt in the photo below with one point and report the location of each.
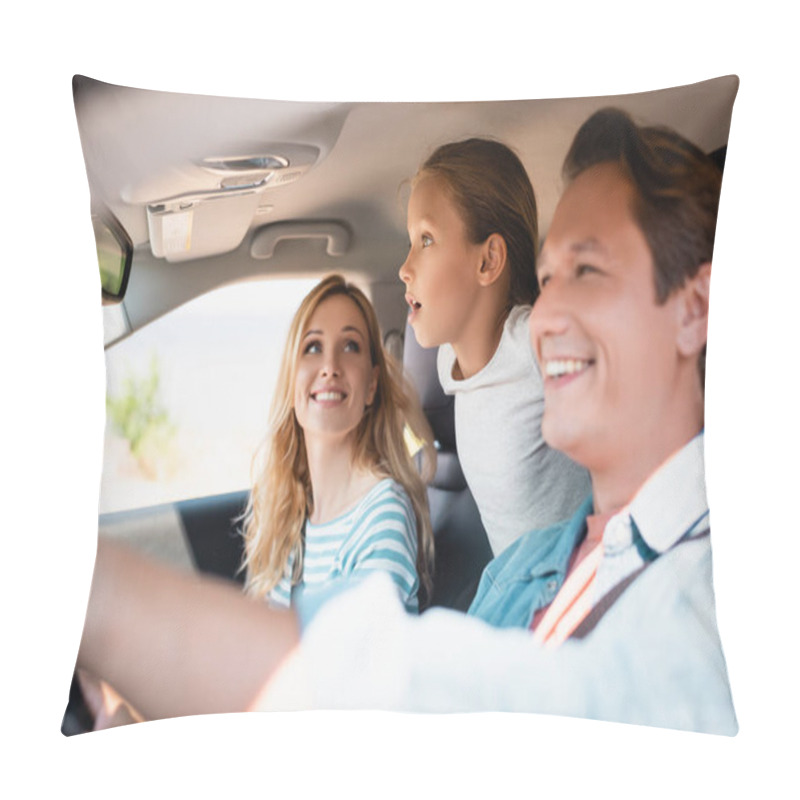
(610, 597)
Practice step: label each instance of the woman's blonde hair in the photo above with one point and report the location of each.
(281, 497)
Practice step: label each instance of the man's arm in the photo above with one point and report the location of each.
(172, 643)
(654, 659)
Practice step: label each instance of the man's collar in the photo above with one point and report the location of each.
(673, 500)
(542, 552)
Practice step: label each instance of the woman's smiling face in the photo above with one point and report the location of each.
(335, 379)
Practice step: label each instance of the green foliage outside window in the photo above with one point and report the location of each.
(138, 415)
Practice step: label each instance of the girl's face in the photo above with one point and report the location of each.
(335, 379)
(441, 270)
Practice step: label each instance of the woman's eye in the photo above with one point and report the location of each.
(352, 346)
(543, 281)
(584, 269)
(311, 348)
(427, 241)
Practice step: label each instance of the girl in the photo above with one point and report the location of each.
(470, 278)
(337, 493)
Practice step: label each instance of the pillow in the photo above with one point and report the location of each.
(215, 216)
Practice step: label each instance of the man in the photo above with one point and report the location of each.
(613, 610)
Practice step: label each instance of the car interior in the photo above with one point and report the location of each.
(190, 193)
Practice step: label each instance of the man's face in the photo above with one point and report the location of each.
(607, 351)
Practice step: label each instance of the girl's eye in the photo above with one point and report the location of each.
(426, 241)
(312, 348)
(584, 269)
(543, 281)
(351, 346)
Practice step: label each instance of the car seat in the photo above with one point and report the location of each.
(462, 548)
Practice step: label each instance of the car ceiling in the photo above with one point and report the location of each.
(353, 160)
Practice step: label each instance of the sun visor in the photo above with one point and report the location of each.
(220, 199)
(200, 227)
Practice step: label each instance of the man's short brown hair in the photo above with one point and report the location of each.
(676, 187)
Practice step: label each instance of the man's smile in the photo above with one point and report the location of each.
(559, 367)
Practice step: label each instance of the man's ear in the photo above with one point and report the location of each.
(494, 256)
(693, 312)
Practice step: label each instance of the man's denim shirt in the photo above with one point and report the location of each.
(527, 575)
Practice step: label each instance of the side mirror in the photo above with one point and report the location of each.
(114, 256)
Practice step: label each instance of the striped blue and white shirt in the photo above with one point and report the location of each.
(377, 535)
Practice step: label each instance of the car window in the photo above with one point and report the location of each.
(188, 395)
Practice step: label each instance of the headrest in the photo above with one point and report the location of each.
(420, 366)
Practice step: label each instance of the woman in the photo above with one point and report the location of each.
(337, 493)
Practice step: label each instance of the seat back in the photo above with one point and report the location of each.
(462, 549)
